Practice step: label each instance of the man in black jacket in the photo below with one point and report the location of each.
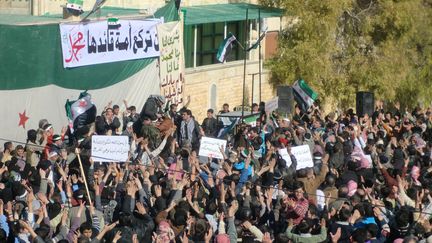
(210, 124)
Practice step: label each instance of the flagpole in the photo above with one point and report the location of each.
(259, 53)
(244, 67)
(238, 42)
(253, 84)
(77, 152)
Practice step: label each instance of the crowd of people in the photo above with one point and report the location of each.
(371, 179)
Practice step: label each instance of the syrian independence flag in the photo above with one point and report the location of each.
(75, 7)
(80, 112)
(303, 94)
(43, 96)
(225, 47)
(256, 44)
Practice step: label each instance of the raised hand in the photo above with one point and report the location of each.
(335, 237)
(140, 208)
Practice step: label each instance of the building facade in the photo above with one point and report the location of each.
(209, 83)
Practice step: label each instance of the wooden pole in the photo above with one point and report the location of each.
(77, 152)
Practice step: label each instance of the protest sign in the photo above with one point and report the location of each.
(110, 148)
(210, 147)
(109, 40)
(303, 156)
(171, 61)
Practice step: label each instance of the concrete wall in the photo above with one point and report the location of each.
(228, 78)
(15, 7)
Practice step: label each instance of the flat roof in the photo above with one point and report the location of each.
(105, 12)
(203, 14)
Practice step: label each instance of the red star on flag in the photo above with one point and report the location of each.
(22, 119)
(82, 103)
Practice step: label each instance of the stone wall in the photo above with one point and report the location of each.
(228, 79)
(15, 7)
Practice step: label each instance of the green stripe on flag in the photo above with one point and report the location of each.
(28, 64)
(225, 47)
(251, 120)
(303, 85)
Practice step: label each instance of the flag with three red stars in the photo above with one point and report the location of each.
(80, 112)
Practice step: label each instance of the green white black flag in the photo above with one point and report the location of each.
(225, 47)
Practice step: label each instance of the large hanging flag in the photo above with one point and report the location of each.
(43, 87)
(81, 112)
(303, 94)
(225, 47)
(256, 44)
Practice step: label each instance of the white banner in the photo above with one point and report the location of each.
(210, 147)
(108, 41)
(171, 61)
(301, 153)
(110, 148)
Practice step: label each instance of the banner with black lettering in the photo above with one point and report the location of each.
(107, 41)
(171, 61)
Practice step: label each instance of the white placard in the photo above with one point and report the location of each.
(210, 147)
(303, 156)
(171, 61)
(272, 104)
(284, 154)
(108, 41)
(110, 148)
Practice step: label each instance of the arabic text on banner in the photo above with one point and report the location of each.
(171, 61)
(103, 41)
(301, 153)
(210, 147)
(110, 148)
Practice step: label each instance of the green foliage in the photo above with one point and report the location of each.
(341, 47)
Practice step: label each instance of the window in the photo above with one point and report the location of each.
(208, 38)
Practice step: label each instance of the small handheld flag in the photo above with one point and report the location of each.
(80, 112)
(303, 94)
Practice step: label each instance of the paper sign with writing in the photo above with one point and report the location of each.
(272, 104)
(210, 147)
(303, 156)
(284, 154)
(110, 148)
(171, 61)
(108, 41)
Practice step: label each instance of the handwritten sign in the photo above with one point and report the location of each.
(210, 147)
(171, 61)
(110, 148)
(303, 156)
(301, 153)
(272, 104)
(108, 41)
